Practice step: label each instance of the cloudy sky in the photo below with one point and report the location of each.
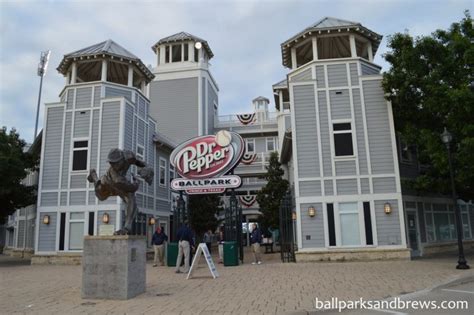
(244, 35)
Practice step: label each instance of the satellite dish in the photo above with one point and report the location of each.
(198, 45)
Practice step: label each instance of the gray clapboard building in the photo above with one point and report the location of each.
(103, 105)
(333, 130)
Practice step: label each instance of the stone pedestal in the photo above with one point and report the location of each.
(113, 267)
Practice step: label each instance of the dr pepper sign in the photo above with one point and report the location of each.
(203, 163)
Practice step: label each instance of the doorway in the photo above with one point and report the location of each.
(413, 233)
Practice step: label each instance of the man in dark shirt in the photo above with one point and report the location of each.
(185, 241)
(158, 240)
(255, 240)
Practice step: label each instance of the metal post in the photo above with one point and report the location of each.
(38, 106)
(462, 263)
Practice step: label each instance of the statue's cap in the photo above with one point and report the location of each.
(115, 155)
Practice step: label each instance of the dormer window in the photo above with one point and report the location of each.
(176, 53)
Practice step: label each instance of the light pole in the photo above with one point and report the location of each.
(446, 137)
(42, 66)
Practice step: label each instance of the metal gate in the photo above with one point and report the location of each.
(287, 241)
(233, 224)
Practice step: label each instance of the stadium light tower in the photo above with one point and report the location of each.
(42, 66)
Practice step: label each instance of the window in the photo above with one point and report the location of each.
(76, 230)
(349, 220)
(171, 173)
(79, 155)
(331, 225)
(140, 152)
(186, 52)
(270, 144)
(343, 139)
(196, 54)
(441, 222)
(405, 151)
(250, 145)
(176, 51)
(167, 54)
(368, 224)
(162, 172)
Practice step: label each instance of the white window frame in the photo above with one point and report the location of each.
(268, 140)
(351, 131)
(337, 225)
(247, 141)
(160, 166)
(67, 230)
(139, 155)
(74, 140)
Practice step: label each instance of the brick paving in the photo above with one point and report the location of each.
(270, 288)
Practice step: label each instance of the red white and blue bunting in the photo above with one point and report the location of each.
(248, 200)
(249, 158)
(246, 119)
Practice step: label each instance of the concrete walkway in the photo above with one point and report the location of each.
(270, 288)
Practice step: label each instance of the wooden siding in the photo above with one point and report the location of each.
(320, 78)
(346, 186)
(67, 151)
(302, 76)
(306, 133)
(354, 74)
(81, 123)
(116, 92)
(337, 75)
(328, 188)
(388, 225)
(380, 141)
(360, 133)
(344, 168)
(47, 232)
(70, 98)
(310, 188)
(340, 104)
(384, 185)
(84, 97)
(365, 185)
(312, 227)
(109, 134)
(49, 199)
(77, 198)
(52, 147)
(324, 129)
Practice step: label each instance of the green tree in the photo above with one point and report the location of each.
(203, 210)
(15, 164)
(430, 84)
(270, 196)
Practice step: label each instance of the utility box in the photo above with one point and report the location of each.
(172, 254)
(231, 254)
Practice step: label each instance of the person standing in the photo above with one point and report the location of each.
(220, 247)
(158, 241)
(208, 239)
(255, 240)
(185, 241)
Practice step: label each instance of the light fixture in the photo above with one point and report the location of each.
(46, 219)
(446, 137)
(105, 218)
(311, 211)
(198, 45)
(293, 215)
(387, 208)
(151, 221)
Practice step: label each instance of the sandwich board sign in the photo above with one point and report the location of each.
(204, 163)
(202, 249)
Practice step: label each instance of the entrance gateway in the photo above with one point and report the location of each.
(206, 165)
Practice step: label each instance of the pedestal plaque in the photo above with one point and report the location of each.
(113, 267)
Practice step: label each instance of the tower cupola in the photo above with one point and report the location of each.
(182, 50)
(330, 38)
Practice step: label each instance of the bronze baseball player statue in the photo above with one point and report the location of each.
(116, 183)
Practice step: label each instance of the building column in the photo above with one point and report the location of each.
(130, 76)
(162, 54)
(369, 51)
(103, 76)
(315, 48)
(352, 44)
(293, 58)
(73, 72)
(191, 51)
(68, 77)
(143, 88)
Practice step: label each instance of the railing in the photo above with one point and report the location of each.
(261, 118)
(257, 166)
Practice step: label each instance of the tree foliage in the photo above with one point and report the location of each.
(203, 210)
(430, 84)
(15, 164)
(270, 196)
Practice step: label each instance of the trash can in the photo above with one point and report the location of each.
(231, 254)
(172, 254)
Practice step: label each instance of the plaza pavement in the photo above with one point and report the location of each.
(270, 288)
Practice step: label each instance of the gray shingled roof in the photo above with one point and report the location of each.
(164, 140)
(107, 48)
(183, 36)
(329, 24)
(261, 98)
(282, 84)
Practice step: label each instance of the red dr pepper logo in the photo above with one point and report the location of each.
(208, 156)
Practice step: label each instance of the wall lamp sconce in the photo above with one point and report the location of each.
(293, 215)
(46, 219)
(105, 218)
(151, 221)
(387, 208)
(311, 211)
